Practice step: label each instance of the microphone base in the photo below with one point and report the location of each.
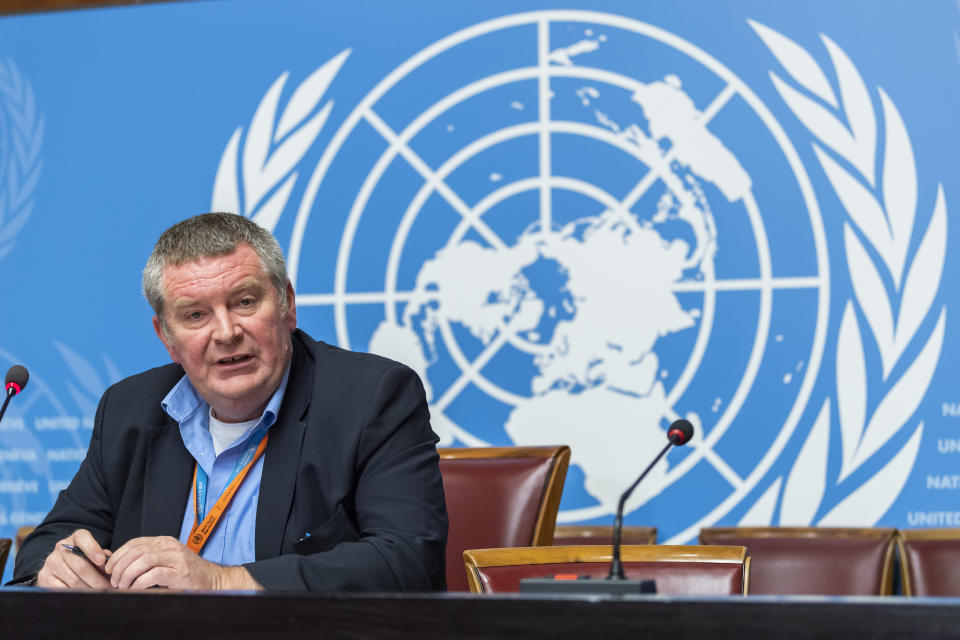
(585, 585)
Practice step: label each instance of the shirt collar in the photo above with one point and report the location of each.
(183, 402)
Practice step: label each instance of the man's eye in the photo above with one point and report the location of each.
(246, 302)
(194, 315)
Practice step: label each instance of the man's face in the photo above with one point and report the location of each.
(226, 329)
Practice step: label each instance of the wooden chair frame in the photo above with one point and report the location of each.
(589, 533)
(878, 533)
(5, 544)
(550, 505)
(904, 536)
(475, 559)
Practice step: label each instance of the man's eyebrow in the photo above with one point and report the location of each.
(184, 303)
(247, 285)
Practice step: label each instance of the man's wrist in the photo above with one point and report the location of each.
(235, 579)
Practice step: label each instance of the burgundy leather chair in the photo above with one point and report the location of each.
(602, 534)
(813, 560)
(677, 570)
(928, 561)
(500, 497)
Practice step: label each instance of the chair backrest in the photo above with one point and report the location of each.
(22, 534)
(813, 560)
(500, 497)
(928, 561)
(677, 570)
(5, 544)
(602, 534)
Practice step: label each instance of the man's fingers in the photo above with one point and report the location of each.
(134, 549)
(122, 556)
(85, 572)
(64, 569)
(157, 576)
(119, 563)
(124, 579)
(89, 545)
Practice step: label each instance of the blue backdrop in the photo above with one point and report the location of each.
(576, 224)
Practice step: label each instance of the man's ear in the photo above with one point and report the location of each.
(164, 339)
(291, 315)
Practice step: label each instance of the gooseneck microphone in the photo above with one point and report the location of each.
(16, 380)
(678, 434)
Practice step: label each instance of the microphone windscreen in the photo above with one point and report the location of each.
(680, 432)
(17, 377)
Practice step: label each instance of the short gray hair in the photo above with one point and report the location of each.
(209, 235)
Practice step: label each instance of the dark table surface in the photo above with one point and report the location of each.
(38, 614)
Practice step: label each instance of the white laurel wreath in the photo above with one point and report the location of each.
(20, 174)
(90, 385)
(884, 218)
(273, 148)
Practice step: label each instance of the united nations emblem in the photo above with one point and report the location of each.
(554, 218)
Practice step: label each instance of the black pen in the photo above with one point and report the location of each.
(75, 550)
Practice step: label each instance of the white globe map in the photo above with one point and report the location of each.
(588, 301)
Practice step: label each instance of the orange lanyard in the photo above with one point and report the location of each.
(200, 532)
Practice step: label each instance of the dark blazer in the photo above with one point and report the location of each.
(350, 499)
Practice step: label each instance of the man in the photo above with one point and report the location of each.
(314, 468)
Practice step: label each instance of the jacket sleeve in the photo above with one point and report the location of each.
(84, 504)
(401, 522)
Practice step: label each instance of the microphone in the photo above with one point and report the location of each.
(678, 434)
(16, 380)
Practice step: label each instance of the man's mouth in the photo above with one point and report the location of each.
(234, 359)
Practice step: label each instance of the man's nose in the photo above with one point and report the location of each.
(226, 329)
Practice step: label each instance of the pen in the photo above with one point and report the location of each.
(75, 550)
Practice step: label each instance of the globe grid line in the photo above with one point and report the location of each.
(738, 87)
(543, 99)
(682, 286)
(399, 144)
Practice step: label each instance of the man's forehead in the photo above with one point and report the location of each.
(239, 269)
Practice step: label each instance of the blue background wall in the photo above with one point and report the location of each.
(783, 277)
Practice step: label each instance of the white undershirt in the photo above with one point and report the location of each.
(226, 433)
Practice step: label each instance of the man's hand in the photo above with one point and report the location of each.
(165, 562)
(66, 570)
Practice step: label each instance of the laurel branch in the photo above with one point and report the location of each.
(21, 166)
(87, 385)
(881, 221)
(257, 180)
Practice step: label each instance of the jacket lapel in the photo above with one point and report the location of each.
(167, 474)
(281, 460)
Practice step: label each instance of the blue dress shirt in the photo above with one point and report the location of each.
(232, 541)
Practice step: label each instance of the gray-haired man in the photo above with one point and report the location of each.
(260, 459)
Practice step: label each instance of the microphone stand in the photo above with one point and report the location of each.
(616, 567)
(616, 582)
(10, 393)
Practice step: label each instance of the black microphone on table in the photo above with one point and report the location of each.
(16, 380)
(679, 433)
